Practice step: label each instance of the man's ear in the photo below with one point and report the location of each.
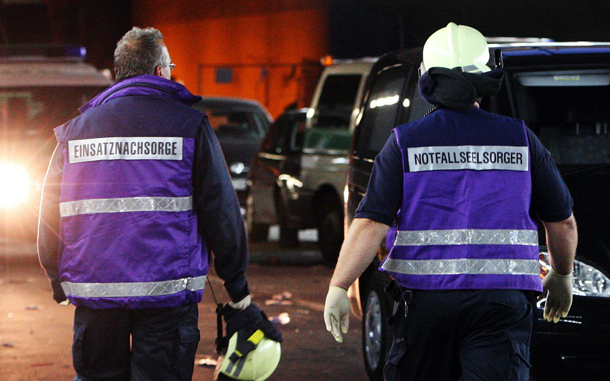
(158, 71)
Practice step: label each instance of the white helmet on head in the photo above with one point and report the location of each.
(456, 46)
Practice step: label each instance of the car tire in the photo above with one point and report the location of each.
(376, 333)
(289, 237)
(330, 233)
(256, 232)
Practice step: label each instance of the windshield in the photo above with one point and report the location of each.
(237, 122)
(336, 102)
(569, 112)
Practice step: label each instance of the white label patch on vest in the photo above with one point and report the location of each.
(479, 158)
(124, 148)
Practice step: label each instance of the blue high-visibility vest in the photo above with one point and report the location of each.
(464, 222)
(129, 235)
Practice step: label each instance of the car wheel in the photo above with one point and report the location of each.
(289, 237)
(376, 334)
(256, 232)
(330, 233)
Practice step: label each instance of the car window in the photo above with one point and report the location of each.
(379, 117)
(419, 106)
(235, 122)
(274, 140)
(297, 137)
(569, 112)
(37, 110)
(286, 133)
(336, 101)
(329, 129)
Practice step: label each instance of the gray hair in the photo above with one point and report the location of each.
(138, 52)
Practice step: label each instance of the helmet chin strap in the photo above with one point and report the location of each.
(220, 342)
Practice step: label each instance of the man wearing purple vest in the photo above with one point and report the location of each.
(136, 197)
(464, 189)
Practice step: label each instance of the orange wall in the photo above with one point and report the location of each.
(269, 45)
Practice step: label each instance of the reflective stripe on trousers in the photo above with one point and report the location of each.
(117, 290)
(127, 204)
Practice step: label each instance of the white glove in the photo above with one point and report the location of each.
(557, 289)
(336, 312)
(242, 304)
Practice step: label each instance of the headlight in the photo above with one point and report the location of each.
(14, 185)
(587, 280)
(237, 168)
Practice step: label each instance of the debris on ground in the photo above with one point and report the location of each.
(280, 299)
(282, 319)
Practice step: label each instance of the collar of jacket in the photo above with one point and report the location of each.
(450, 88)
(143, 85)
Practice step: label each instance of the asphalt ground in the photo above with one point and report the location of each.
(288, 284)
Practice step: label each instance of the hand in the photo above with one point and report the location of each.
(557, 289)
(336, 312)
(242, 304)
(58, 293)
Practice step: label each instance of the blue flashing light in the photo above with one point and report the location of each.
(23, 52)
(75, 51)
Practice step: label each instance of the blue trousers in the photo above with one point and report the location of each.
(148, 344)
(462, 335)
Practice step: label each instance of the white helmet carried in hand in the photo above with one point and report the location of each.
(251, 358)
(456, 46)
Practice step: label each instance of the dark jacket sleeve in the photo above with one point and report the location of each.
(48, 224)
(220, 222)
(551, 198)
(384, 192)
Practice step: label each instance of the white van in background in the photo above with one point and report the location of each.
(304, 188)
(41, 87)
(328, 139)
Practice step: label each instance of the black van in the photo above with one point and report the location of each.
(562, 91)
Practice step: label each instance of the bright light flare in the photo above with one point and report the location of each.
(14, 185)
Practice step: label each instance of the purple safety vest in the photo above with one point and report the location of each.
(128, 229)
(464, 221)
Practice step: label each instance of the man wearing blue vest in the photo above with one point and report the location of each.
(465, 189)
(136, 197)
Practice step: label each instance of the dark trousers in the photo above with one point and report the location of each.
(148, 344)
(462, 335)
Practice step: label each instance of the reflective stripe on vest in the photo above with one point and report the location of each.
(119, 290)
(463, 266)
(129, 204)
(466, 237)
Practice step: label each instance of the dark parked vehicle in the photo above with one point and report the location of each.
(561, 90)
(312, 193)
(240, 125)
(273, 179)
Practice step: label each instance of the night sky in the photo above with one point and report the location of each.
(373, 27)
(357, 28)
